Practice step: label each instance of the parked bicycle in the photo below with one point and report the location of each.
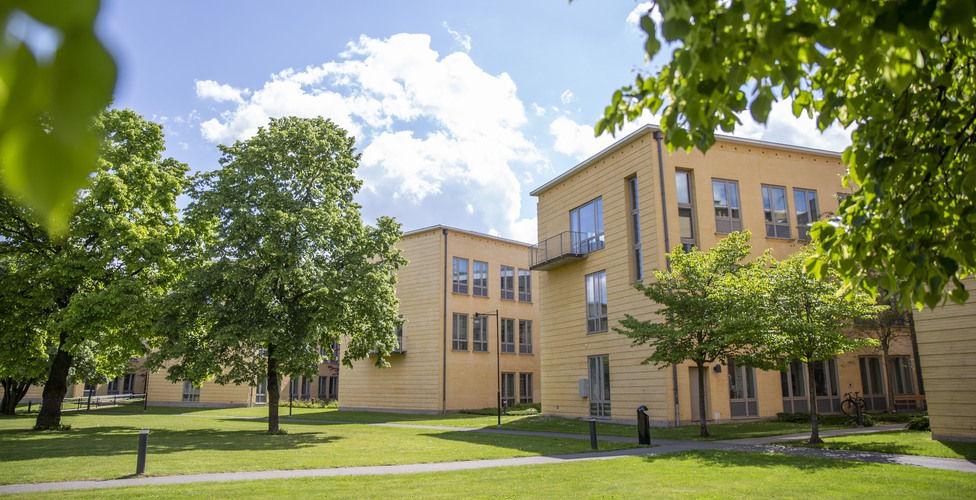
(852, 404)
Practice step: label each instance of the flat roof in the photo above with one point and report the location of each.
(465, 231)
(651, 128)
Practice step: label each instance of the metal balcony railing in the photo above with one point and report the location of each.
(562, 249)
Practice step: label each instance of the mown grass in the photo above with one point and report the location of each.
(899, 442)
(103, 444)
(699, 474)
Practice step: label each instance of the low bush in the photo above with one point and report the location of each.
(517, 410)
(919, 423)
(309, 403)
(840, 419)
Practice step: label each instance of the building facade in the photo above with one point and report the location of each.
(470, 331)
(605, 225)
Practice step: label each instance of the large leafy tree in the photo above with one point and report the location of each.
(809, 319)
(282, 264)
(23, 346)
(708, 301)
(900, 73)
(92, 286)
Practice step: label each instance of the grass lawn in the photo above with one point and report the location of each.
(102, 445)
(901, 442)
(702, 474)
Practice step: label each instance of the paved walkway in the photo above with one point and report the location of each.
(761, 445)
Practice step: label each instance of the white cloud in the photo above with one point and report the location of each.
(566, 97)
(538, 110)
(577, 140)
(462, 40)
(433, 130)
(209, 89)
(782, 127)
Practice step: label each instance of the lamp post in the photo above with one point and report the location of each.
(498, 359)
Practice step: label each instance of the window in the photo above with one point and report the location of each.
(742, 390)
(300, 388)
(728, 217)
(774, 205)
(460, 336)
(902, 379)
(508, 335)
(190, 392)
(686, 210)
(525, 285)
(525, 388)
(596, 302)
(399, 337)
(794, 384)
(479, 334)
(635, 236)
(508, 389)
(807, 211)
(508, 282)
(525, 336)
(129, 383)
(90, 389)
(113, 386)
(327, 387)
(330, 354)
(872, 381)
(479, 279)
(460, 275)
(586, 225)
(825, 378)
(261, 392)
(599, 371)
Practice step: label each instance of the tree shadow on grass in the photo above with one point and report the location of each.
(535, 445)
(20, 444)
(735, 459)
(965, 448)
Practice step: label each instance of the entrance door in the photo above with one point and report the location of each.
(599, 368)
(695, 408)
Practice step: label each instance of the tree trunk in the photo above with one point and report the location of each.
(918, 366)
(702, 409)
(54, 389)
(13, 392)
(889, 387)
(812, 394)
(274, 390)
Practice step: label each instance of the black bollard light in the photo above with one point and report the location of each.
(592, 433)
(143, 444)
(643, 426)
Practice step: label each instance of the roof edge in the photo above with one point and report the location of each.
(465, 231)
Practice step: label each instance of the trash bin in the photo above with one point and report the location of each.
(643, 426)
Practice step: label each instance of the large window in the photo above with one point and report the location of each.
(686, 209)
(728, 217)
(508, 335)
(507, 282)
(300, 388)
(872, 380)
(113, 386)
(742, 390)
(328, 387)
(525, 388)
(525, 285)
(479, 334)
(261, 392)
(525, 336)
(794, 384)
(479, 279)
(635, 235)
(825, 378)
(807, 211)
(190, 392)
(599, 390)
(508, 389)
(128, 383)
(596, 302)
(460, 275)
(586, 224)
(777, 215)
(902, 378)
(459, 336)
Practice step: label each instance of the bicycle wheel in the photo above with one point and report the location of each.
(847, 406)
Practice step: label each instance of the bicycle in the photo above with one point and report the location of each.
(852, 405)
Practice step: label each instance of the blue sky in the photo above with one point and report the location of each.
(460, 109)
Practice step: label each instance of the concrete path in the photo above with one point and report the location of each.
(756, 445)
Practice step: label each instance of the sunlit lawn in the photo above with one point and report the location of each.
(103, 444)
(901, 442)
(701, 474)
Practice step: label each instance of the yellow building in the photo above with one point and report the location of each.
(605, 224)
(458, 292)
(947, 347)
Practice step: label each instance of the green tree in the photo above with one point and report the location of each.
(47, 105)
(23, 346)
(283, 264)
(809, 319)
(96, 282)
(900, 73)
(708, 304)
(885, 326)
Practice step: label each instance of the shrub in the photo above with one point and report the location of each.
(919, 423)
(519, 409)
(310, 403)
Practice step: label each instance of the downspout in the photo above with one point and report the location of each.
(444, 325)
(658, 136)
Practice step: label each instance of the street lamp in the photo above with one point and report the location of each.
(498, 359)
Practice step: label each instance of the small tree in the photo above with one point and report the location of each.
(282, 264)
(808, 318)
(708, 301)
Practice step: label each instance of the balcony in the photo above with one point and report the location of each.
(562, 249)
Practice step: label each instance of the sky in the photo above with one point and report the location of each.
(459, 109)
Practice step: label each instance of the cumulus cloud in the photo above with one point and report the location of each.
(781, 126)
(209, 89)
(433, 129)
(577, 140)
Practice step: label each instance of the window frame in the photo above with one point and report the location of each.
(597, 312)
(479, 334)
(584, 242)
(635, 231)
(774, 228)
(686, 205)
(191, 393)
(732, 221)
(479, 267)
(460, 278)
(525, 336)
(508, 389)
(810, 211)
(525, 388)
(459, 332)
(507, 340)
(524, 285)
(507, 273)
